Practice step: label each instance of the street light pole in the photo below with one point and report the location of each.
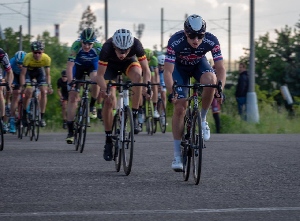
(252, 109)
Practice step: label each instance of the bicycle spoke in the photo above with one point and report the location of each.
(197, 146)
(128, 142)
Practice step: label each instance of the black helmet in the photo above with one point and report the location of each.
(194, 24)
(64, 73)
(37, 46)
(88, 35)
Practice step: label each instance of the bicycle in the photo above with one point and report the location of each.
(34, 114)
(123, 127)
(192, 141)
(162, 120)
(148, 111)
(82, 119)
(1, 121)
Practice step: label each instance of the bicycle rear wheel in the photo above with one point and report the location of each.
(1, 136)
(162, 115)
(76, 129)
(197, 146)
(117, 154)
(149, 117)
(128, 141)
(185, 146)
(83, 125)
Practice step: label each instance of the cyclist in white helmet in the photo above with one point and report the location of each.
(162, 89)
(121, 53)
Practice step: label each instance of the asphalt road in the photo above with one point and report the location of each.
(245, 177)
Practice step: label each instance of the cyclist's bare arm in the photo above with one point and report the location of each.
(69, 71)
(146, 71)
(22, 75)
(169, 68)
(100, 77)
(221, 72)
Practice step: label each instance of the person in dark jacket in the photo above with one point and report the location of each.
(241, 90)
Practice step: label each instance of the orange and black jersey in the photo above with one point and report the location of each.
(108, 53)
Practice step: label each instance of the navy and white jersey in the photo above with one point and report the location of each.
(179, 51)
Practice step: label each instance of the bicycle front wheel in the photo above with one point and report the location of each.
(128, 141)
(83, 125)
(117, 154)
(37, 120)
(185, 146)
(197, 146)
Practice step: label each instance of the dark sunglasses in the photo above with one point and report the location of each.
(37, 52)
(87, 43)
(122, 51)
(194, 35)
(20, 63)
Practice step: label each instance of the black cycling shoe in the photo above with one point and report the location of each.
(137, 127)
(107, 154)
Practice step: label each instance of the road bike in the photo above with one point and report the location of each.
(123, 126)
(82, 119)
(1, 121)
(148, 112)
(34, 114)
(192, 142)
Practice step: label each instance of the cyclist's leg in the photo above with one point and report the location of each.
(27, 96)
(179, 110)
(155, 80)
(41, 80)
(94, 95)
(205, 75)
(107, 113)
(134, 72)
(13, 107)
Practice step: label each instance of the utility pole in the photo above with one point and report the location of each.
(229, 39)
(252, 109)
(20, 40)
(29, 18)
(161, 29)
(105, 20)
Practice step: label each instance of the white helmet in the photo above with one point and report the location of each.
(123, 39)
(161, 59)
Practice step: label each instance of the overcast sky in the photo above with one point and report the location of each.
(269, 15)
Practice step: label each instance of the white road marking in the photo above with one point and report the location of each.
(143, 212)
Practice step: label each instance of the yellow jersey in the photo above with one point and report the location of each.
(30, 63)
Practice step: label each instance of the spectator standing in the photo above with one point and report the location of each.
(241, 90)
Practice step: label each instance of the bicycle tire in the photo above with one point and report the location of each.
(84, 124)
(162, 115)
(185, 144)
(117, 154)
(31, 124)
(37, 119)
(197, 146)
(149, 117)
(75, 130)
(128, 141)
(78, 127)
(19, 124)
(1, 136)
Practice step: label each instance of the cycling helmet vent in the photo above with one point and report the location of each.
(19, 56)
(37, 46)
(88, 35)
(194, 24)
(123, 39)
(161, 59)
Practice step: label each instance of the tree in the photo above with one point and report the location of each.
(88, 20)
